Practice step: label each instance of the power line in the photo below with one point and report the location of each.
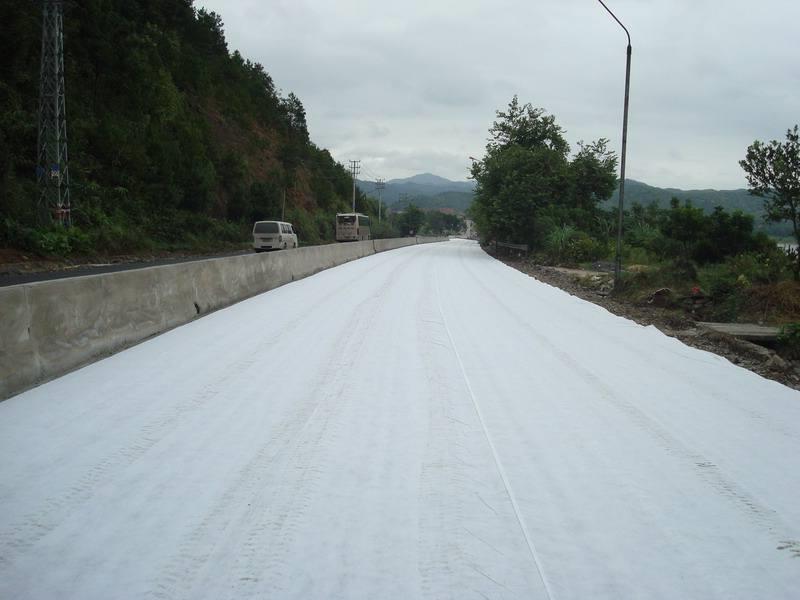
(371, 174)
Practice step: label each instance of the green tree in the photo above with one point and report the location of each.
(773, 173)
(523, 171)
(410, 220)
(528, 127)
(526, 183)
(727, 234)
(175, 129)
(439, 223)
(686, 225)
(592, 175)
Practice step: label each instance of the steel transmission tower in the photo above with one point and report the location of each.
(52, 173)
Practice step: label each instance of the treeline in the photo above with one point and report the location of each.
(685, 232)
(530, 190)
(637, 192)
(175, 141)
(412, 220)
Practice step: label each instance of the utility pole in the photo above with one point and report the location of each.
(381, 183)
(355, 169)
(52, 173)
(618, 258)
(283, 206)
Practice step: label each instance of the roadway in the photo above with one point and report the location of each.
(13, 276)
(421, 423)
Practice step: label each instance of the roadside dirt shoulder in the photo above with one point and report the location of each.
(675, 323)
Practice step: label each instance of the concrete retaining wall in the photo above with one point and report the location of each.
(51, 327)
(381, 245)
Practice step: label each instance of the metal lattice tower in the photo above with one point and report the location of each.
(52, 173)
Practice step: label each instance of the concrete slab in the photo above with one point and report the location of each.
(745, 331)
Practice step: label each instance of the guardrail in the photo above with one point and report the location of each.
(509, 248)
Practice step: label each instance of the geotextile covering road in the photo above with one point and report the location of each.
(421, 423)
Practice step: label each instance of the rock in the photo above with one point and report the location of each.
(760, 351)
(776, 363)
(661, 297)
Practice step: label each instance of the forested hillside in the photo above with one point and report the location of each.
(731, 200)
(175, 139)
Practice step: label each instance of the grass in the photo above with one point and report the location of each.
(744, 288)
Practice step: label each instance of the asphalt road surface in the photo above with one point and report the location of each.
(10, 277)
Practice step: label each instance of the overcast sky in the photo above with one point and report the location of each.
(413, 86)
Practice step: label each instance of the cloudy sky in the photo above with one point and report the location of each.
(413, 86)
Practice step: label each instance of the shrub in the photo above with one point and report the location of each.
(114, 237)
(383, 230)
(766, 267)
(305, 226)
(634, 255)
(14, 234)
(779, 302)
(325, 226)
(665, 247)
(61, 241)
(641, 234)
(558, 239)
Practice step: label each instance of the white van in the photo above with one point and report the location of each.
(273, 235)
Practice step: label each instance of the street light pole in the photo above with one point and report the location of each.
(618, 261)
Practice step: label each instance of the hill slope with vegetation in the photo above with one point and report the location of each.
(175, 141)
(637, 192)
(681, 253)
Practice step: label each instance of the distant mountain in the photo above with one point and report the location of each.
(430, 191)
(425, 191)
(730, 200)
(458, 201)
(636, 191)
(431, 180)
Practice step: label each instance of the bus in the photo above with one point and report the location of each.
(352, 227)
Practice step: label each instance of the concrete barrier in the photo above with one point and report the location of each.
(383, 245)
(312, 259)
(52, 327)
(430, 239)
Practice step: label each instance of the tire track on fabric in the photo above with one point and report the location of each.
(706, 470)
(689, 382)
(535, 559)
(21, 536)
(250, 504)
